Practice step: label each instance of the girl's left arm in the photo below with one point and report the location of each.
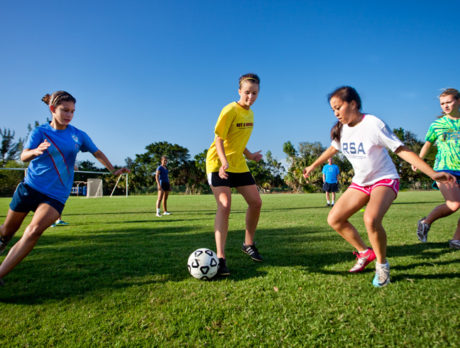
(411, 157)
(253, 156)
(99, 155)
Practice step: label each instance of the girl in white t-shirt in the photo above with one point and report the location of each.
(364, 140)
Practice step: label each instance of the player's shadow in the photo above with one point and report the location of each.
(72, 264)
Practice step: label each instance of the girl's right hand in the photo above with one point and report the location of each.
(223, 171)
(42, 148)
(444, 177)
(307, 171)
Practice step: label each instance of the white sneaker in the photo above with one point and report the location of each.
(158, 214)
(166, 213)
(382, 275)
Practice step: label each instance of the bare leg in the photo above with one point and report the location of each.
(457, 231)
(451, 193)
(252, 197)
(333, 197)
(379, 203)
(165, 200)
(349, 203)
(223, 197)
(327, 197)
(12, 223)
(161, 194)
(44, 216)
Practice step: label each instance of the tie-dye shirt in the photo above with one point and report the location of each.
(446, 133)
(52, 172)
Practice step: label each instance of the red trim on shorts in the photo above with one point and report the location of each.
(391, 183)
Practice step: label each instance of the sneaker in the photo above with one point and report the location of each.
(382, 275)
(158, 214)
(3, 243)
(363, 259)
(454, 244)
(60, 223)
(252, 251)
(166, 213)
(422, 230)
(222, 270)
(53, 224)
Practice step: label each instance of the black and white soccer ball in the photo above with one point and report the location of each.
(203, 264)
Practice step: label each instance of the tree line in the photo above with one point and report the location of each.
(188, 175)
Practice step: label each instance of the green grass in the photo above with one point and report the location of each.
(117, 277)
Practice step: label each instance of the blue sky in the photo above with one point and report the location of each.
(148, 71)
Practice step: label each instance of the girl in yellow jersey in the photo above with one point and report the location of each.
(226, 168)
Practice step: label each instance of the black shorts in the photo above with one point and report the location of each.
(166, 186)
(330, 187)
(27, 199)
(234, 179)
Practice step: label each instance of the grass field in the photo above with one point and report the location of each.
(117, 277)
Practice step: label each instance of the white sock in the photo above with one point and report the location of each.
(328, 202)
(382, 265)
(158, 211)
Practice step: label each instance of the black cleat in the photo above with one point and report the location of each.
(252, 251)
(223, 270)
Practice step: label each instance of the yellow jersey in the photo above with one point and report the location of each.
(234, 127)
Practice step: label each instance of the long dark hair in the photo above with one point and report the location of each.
(347, 94)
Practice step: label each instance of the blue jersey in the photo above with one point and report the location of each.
(331, 171)
(163, 174)
(52, 172)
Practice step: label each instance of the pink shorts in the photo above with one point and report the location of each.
(391, 183)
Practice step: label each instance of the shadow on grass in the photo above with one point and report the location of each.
(75, 263)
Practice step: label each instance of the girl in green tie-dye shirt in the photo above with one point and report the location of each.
(445, 132)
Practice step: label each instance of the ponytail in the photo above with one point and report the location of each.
(336, 131)
(58, 98)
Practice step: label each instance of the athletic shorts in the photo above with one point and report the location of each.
(234, 179)
(391, 183)
(166, 186)
(327, 187)
(27, 199)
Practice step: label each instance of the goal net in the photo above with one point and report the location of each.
(94, 188)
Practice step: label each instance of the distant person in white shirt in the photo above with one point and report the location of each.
(364, 140)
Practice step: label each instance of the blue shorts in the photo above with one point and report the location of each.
(27, 199)
(165, 185)
(454, 173)
(330, 187)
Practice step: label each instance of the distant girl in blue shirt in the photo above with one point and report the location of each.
(163, 185)
(51, 149)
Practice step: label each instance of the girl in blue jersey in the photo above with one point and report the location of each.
(51, 149)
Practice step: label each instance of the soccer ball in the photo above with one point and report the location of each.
(203, 264)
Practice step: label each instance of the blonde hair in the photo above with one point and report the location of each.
(249, 77)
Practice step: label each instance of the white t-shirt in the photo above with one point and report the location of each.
(364, 145)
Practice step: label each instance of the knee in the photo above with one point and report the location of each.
(334, 220)
(33, 232)
(256, 204)
(371, 222)
(453, 205)
(224, 207)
